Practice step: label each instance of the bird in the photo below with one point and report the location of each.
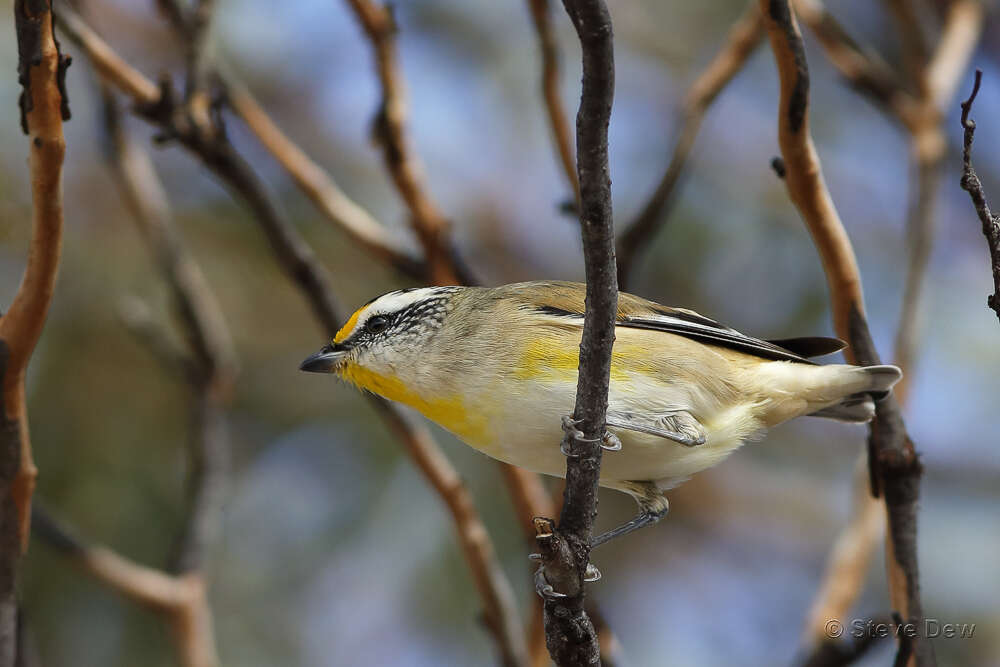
(498, 366)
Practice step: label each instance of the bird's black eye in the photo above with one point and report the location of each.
(377, 324)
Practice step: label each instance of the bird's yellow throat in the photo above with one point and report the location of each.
(449, 411)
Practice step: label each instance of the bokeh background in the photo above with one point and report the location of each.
(336, 552)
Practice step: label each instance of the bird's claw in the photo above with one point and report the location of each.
(610, 442)
(591, 574)
(544, 588)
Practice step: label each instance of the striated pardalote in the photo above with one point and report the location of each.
(498, 368)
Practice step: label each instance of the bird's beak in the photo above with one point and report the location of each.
(324, 360)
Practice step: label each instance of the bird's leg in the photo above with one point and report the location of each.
(653, 506)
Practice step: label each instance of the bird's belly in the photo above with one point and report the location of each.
(527, 433)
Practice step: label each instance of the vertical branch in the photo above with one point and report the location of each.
(549, 49)
(894, 466)
(400, 160)
(744, 36)
(569, 633)
(970, 183)
(44, 106)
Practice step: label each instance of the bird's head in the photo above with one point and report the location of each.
(386, 338)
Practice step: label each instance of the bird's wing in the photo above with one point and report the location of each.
(565, 301)
(679, 426)
(694, 326)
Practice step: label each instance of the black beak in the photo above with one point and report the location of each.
(323, 361)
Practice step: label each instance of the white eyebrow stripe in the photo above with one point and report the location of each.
(393, 302)
(396, 301)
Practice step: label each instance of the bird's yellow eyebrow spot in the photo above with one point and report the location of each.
(348, 327)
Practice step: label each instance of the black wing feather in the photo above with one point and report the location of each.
(722, 337)
(697, 327)
(811, 346)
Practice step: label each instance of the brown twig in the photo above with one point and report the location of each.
(911, 31)
(44, 106)
(971, 184)
(210, 365)
(565, 551)
(298, 261)
(559, 127)
(191, 27)
(744, 36)
(401, 161)
(498, 598)
(861, 68)
(336, 206)
(181, 598)
(894, 466)
(938, 80)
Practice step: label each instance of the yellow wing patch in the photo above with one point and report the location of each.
(553, 359)
(348, 327)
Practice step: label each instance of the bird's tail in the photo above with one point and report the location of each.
(860, 385)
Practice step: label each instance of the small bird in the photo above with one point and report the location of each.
(497, 367)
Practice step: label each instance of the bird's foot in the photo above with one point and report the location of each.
(609, 441)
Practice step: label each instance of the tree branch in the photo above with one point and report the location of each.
(744, 36)
(44, 106)
(213, 369)
(559, 127)
(331, 201)
(864, 71)
(401, 161)
(971, 184)
(570, 635)
(181, 599)
(894, 465)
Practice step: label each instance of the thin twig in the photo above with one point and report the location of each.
(401, 160)
(894, 465)
(549, 48)
(744, 36)
(938, 80)
(920, 239)
(569, 633)
(44, 106)
(863, 70)
(298, 261)
(971, 184)
(212, 370)
(182, 599)
(916, 50)
(331, 201)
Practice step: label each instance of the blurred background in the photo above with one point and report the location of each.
(335, 550)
